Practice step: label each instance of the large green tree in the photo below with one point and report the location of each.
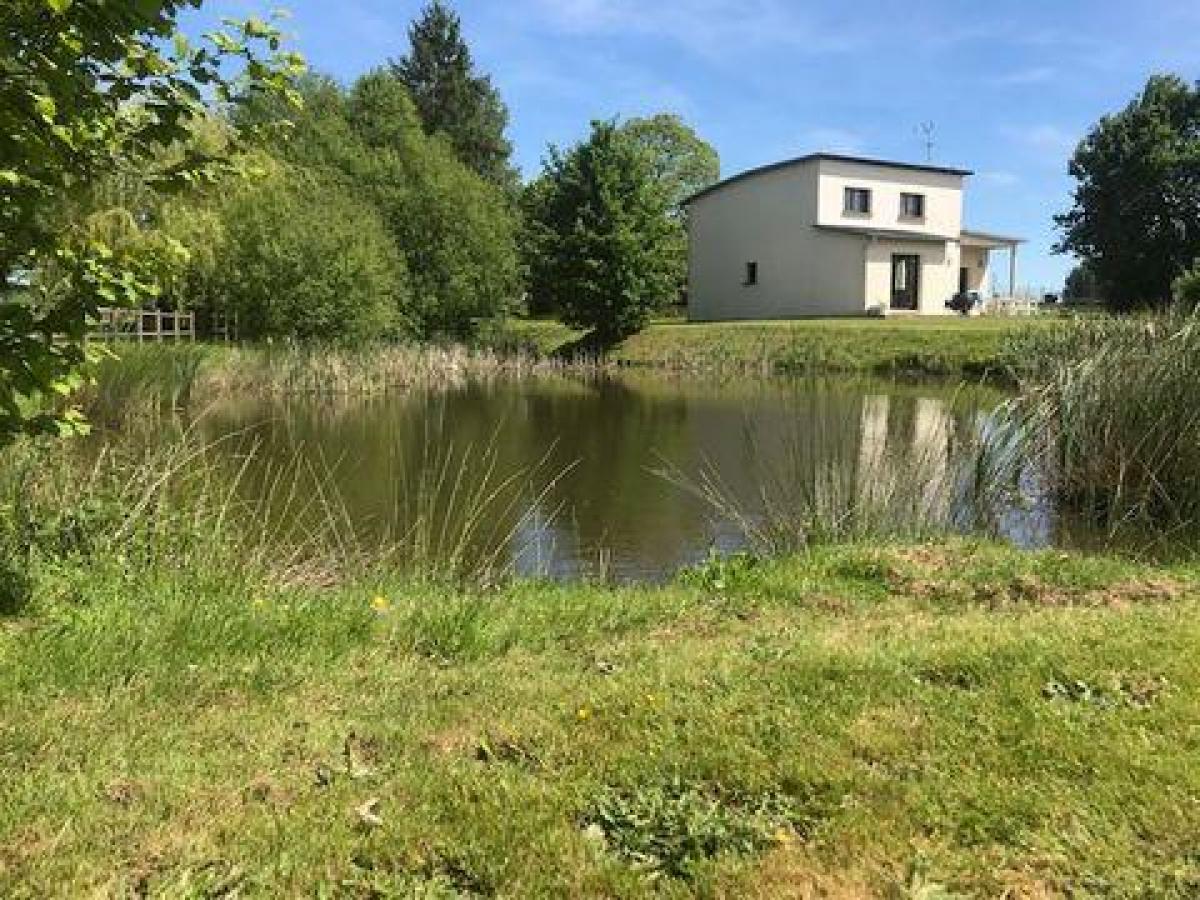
(1136, 215)
(452, 98)
(683, 163)
(300, 256)
(681, 160)
(93, 90)
(604, 241)
(454, 230)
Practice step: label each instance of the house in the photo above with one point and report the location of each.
(832, 235)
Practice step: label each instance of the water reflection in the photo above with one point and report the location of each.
(574, 460)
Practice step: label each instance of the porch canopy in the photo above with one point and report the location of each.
(987, 241)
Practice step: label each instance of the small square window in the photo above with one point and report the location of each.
(751, 274)
(912, 206)
(858, 201)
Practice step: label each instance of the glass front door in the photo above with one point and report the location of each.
(906, 281)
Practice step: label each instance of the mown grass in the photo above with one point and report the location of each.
(859, 721)
(950, 346)
(188, 710)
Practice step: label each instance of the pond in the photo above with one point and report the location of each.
(571, 476)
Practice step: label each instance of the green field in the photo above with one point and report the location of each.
(944, 720)
(938, 346)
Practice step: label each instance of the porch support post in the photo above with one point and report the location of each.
(1012, 270)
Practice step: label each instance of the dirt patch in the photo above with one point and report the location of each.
(788, 873)
(123, 792)
(930, 558)
(1030, 591)
(1139, 592)
(459, 739)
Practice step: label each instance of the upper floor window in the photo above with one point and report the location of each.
(912, 206)
(858, 200)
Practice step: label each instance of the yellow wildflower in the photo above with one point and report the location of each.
(784, 836)
(584, 713)
(381, 604)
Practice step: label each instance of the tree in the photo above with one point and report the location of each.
(89, 90)
(303, 257)
(682, 161)
(1081, 283)
(604, 238)
(1136, 213)
(452, 99)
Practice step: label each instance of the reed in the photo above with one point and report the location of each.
(1113, 409)
(952, 475)
(178, 502)
(146, 380)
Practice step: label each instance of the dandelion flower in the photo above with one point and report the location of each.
(584, 713)
(784, 836)
(380, 604)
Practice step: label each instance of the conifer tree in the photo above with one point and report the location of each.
(452, 98)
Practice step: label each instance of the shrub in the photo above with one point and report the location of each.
(1187, 290)
(305, 258)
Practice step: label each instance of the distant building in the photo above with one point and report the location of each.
(830, 235)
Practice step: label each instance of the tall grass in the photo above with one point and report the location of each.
(949, 475)
(208, 509)
(1114, 406)
(144, 380)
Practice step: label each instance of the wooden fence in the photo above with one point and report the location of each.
(142, 325)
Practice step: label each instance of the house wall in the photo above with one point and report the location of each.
(768, 219)
(978, 263)
(803, 270)
(939, 273)
(942, 191)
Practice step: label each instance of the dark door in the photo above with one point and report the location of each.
(964, 279)
(906, 281)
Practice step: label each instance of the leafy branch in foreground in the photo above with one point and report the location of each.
(89, 91)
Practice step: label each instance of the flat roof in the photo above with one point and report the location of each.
(896, 234)
(832, 157)
(987, 237)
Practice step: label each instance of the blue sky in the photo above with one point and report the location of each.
(1011, 86)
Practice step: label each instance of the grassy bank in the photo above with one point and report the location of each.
(151, 378)
(944, 346)
(148, 379)
(857, 721)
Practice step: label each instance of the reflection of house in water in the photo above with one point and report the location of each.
(905, 441)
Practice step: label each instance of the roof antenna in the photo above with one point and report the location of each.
(925, 133)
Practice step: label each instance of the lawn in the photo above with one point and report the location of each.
(943, 720)
(941, 346)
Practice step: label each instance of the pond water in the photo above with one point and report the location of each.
(570, 476)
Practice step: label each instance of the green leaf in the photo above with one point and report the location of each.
(58, 6)
(45, 107)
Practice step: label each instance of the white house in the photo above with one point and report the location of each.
(831, 235)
